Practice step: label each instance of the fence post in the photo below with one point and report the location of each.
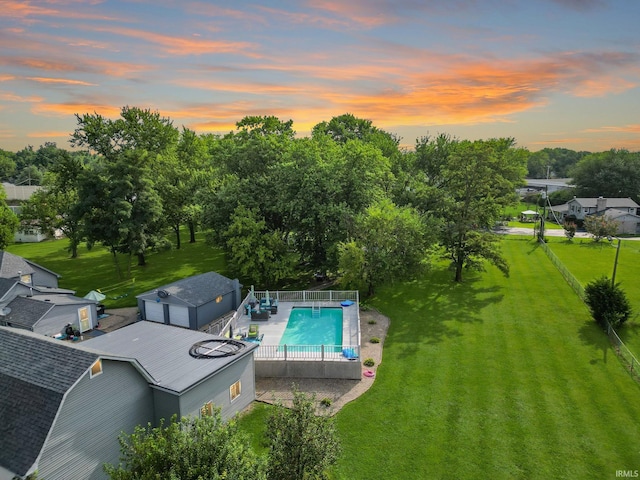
(322, 353)
(285, 351)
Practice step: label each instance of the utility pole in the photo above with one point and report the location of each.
(544, 213)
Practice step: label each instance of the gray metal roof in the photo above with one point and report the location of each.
(26, 312)
(196, 290)
(163, 351)
(35, 373)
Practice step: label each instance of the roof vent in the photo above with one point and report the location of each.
(4, 311)
(163, 293)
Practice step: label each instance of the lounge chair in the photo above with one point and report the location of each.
(260, 315)
(254, 331)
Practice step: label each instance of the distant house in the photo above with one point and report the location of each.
(31, 299)
(191, 302)
(623, 210)
(16, 194)
(63, 405)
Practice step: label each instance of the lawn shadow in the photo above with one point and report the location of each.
(428, 310)
(591, 334)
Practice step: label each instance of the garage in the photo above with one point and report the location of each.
(154, 311)
(179, 316)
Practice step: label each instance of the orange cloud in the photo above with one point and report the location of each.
(63, 81)
(70, 109)
(24, 10)
(47, 134)
(181, 45)
(11, 97)
(633, 128)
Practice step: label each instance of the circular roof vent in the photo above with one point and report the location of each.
(216, 348)
(163, 293)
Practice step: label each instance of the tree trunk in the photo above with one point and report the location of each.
(192, 232)
(176, 229)
(141, 260)
(459, 263)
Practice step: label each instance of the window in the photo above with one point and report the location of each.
(234, 390)
(218, 298)
(25, 279)
(96, 368)
(206, 410)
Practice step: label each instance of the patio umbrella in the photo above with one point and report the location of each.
(95, 296)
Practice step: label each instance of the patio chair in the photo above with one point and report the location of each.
(254, 331)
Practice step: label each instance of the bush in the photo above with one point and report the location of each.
(608, 303)
(326, 402)
(374, 340)
(372, 322)
(369, 362)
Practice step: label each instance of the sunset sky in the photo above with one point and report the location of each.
(551, 73)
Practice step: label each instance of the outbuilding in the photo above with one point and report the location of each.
(193, 302)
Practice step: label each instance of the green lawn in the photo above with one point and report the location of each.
(496, 378)
(588, 260)
(95, 269)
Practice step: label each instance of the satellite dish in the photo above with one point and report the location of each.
(163, 293)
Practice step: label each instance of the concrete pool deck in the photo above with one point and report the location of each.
(339, 391)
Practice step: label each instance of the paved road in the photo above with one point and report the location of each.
(547, 233)
(529, 232)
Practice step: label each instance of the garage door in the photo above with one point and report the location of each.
(179, 316)
(154, 311)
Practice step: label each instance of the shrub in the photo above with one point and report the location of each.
(326, 402)
(374, 340)
(372, 322)
(608, 303)
(369, 362)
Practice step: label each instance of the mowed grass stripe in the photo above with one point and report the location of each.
(495, 378)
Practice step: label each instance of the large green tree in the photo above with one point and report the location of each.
(476, 180)
(8, 221)
(119, 205)
(614, 174)
(390, 243)
(187, 449)
(254, 252)
(118, 201)
(53, 207)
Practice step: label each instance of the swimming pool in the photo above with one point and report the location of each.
(306, 327)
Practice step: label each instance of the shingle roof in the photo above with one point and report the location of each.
(196, 290)
(26, 312)
(6, 284)
(11, 264)
(611, 202)
(163, 351)
(35, 373)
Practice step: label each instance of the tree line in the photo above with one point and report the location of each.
(347, 200)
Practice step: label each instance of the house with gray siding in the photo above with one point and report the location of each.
(185, 384)
(18, 268)
(31, 299)
(63, 405)
(622, 210)
(192, 302)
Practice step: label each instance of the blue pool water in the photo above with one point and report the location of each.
(305, 329)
